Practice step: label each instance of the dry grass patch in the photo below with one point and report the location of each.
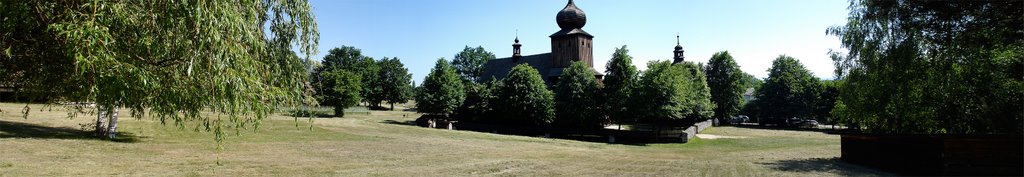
(380, 144)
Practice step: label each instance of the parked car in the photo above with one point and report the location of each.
(808, 124)
(739, 119)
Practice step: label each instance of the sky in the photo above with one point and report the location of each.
(755, 32)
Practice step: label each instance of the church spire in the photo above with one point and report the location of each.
(677, 56)
(515, 49)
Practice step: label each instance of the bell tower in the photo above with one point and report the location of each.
(677, 56)
(571, 43)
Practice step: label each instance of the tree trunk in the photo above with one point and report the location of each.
(101, 115)
(339, 111)
(392, 106)
(112, 127)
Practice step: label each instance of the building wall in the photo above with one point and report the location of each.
(569, 48)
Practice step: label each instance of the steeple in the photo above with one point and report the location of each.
(571, 43)
(516, 54)
(678, 53)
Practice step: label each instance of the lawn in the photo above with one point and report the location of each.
(48, 143)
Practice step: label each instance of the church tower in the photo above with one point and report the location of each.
(678, 53)
(516, 55)
(571, 43)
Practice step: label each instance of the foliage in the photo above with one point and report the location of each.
(393, 80)
(477, 103)
(789, 91)
(576, 99)
(168, 58)
(350, 59)
(523, 99)
(932, 66)
(750, 81)
(662, 89)
(441, 92)
(345, 91)
(697, 105)
(826, 102)
(620, 82)
(470, 63)
(726, 82)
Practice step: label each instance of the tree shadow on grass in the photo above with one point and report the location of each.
(10, 129)
(394, 122)
(829, 165)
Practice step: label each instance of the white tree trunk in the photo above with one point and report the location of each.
(101, 115)
(112, 128)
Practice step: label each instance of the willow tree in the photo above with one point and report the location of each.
(173, 59)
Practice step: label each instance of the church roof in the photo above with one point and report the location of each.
(564, 32)
(499, 68)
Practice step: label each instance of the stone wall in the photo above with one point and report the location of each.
(692, 131)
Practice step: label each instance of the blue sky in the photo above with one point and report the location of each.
(754, 31)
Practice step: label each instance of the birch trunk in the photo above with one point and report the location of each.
(112, 127)
(100, 119)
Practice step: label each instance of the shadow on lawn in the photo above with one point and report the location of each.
(576, 137)
(408, 122)
(10, 129)
(830, 165)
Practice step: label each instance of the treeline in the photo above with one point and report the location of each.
(791, 92)
(665, 94)
(346, 78)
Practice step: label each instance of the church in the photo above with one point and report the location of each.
(568, 45)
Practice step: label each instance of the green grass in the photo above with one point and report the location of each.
(47, 143)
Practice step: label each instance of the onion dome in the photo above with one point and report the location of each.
(571, 17)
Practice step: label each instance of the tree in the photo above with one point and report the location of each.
(151, 56)
(620, 81)
(932, 67)
(726, 82)
(345, 92)
(826, 102)
(350, 59)
(394, 79)
(576, 99)
(662, 89)
(441, 92)
(789, 91)
(523, 99)
(698, 105)
(470, 63)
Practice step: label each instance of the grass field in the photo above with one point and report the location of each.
(47, 143)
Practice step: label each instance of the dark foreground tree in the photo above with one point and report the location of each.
(523, 99)
(172, 60)
(727, 85)
(620, 82)
(790, 91)
(576, 103)
(441, 92)
(932, 66)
